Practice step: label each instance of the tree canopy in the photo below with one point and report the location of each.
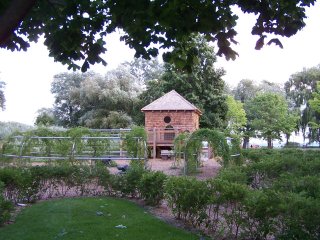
(300, 89)
(74, 31)
(236, 116)
(96, 101)
(314, 122)
(245, 91)
(2, 96)
(203, 85)
(270, 116)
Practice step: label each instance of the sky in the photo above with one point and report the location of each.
(28, 75)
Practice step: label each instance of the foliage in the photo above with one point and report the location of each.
(217, 142)
(151, 187)
(29, 184)
(203, 87)
(74, 31)
(236, 116)
(65, 109)
(8, 128)
(179, 143)
(314, 104)
(245, 90)
(116, 120)
(94, 101)
(187, 198)
(145, 70)
(2, 96)
(269, 116)
(128, 184)
(315, 101)
(299, 89)
(74, 144)
(45, 117)
(5, 206)
(255, 200)
(134, 142)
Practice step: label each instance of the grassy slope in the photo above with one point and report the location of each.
(78, 219)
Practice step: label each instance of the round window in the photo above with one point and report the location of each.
(167, 119)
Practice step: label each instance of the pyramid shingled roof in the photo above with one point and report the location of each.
(171, 101)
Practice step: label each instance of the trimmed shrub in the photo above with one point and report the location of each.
(5, 206)
(127, 184)
(152, 187)
(188, 198)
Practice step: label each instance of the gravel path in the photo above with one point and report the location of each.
(209, 168)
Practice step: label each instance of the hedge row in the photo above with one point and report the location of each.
(276, 196)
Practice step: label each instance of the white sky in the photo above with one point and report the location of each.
(28, 75)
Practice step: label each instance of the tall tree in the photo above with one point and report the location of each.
(46, 117)
(203, 85)
(245, 90)
(236, 117)
(314, 123)
(74, 30)
(271, 87)
(145, 70)
(269, 112)
(299, 89)
(100, 97)
(65, 109)
(2, 96)
(96, 101)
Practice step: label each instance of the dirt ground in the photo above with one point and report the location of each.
(208, 168)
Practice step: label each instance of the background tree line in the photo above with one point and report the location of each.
(250, 109)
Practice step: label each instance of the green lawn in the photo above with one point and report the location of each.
(89, 218)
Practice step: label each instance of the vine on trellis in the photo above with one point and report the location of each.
(216, 140)
(75, 144)
(179, 146)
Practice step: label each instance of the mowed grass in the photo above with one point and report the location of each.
(90, 218)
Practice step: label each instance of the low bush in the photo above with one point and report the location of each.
(5, 206)
(188, 199)
(32, 183)
(151, 187)
(127, 184)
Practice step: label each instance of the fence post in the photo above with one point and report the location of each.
(154, 143)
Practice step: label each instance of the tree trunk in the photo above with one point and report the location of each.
(270, 142)
(245, 142)
(287, 137)
(13, 16)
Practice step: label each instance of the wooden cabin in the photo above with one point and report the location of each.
(166, 117)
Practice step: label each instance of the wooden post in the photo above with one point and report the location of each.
(154, 143)
(120, 143)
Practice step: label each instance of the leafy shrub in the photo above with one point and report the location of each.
(151, 187)
(188, 198)
(134, 147)
(5, 206)
(233, 174)
(128, 183)
(263, 210)
(32, 183)
(300, 218)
